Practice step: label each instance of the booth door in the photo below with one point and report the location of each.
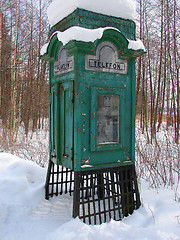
(66, 125)
(110, 127)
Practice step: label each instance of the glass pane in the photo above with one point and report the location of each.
(107, 119)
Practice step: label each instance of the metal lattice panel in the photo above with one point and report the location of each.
(99, 195)
(106, 194)
(59, 180)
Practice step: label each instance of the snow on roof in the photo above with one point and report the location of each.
(59, 9)
(81, 34)
(88, 35)
(136, 45)
(44, 49)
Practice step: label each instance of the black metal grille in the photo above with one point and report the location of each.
(99, 195)
(59, 180)
(106, 194)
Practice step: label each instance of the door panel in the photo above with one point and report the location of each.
(110, 131)
(66, 124)
(53, 124)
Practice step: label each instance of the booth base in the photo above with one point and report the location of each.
(98, 195)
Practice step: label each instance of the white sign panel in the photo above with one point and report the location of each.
(64, 64)
(106, 60)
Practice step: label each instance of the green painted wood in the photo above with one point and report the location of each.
(66, 125)
(62, 123)
(92, 20)
(50, 106)
(105, 155)
(56, 130)
(133, 112)
(73, 106)
(104, 90)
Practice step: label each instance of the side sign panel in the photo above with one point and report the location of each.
(64, 64)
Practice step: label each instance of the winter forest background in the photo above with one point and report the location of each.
(24, 85)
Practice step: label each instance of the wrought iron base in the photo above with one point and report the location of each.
(98, 195)
(59, 180)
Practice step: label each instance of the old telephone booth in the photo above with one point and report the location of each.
(92, 117)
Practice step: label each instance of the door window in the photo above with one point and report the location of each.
(107, 119)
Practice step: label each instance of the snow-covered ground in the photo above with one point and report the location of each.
(26, 215)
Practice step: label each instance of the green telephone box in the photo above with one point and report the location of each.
(92, 104)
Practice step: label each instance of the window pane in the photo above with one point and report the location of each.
(107, 119)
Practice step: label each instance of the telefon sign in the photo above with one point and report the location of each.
(106, 60)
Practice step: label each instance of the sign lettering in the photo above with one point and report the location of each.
(106, 60)
(64, 64)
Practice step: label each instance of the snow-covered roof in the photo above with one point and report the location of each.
(59, 9)
(44, 49)
(81, 34)
(88, 35)
(136, 45)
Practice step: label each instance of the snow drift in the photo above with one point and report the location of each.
(26, 215)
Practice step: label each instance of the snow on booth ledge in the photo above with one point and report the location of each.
(88, 35)
(59, 9)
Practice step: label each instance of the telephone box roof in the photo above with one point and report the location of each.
(91, 35)
(59, 9)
